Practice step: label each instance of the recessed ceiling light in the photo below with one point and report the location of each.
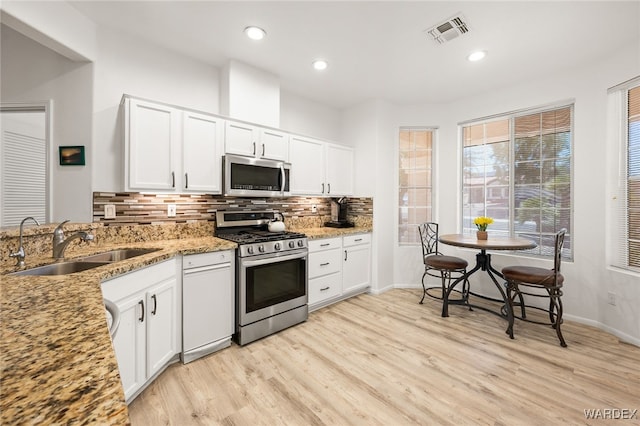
(255, 33)
(476, 56)
(320, 64)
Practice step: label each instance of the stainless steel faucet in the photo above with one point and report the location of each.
(59, 242)
(20, 254)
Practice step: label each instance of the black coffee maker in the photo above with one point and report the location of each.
(339, 214)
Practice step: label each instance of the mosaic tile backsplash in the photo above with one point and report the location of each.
(133, 208)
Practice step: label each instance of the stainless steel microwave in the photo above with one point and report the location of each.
(255, 177)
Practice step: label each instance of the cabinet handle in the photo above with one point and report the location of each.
(155, 304)
(323, 187)
(325, 244)
(345, 255)
(186, 180)
(325, 289)
(328, 188)
(263, 150)
(358, 239)
(324, 264)
(173, 179)
(141, 303)
(254, 148)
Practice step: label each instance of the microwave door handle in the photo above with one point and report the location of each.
(282, 178)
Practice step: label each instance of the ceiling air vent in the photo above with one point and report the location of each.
(448, 30)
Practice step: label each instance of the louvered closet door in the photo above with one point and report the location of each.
(23, 175)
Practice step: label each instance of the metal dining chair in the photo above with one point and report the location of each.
(538, 282)
(436, 264)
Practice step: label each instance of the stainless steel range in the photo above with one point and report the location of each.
(271, 273)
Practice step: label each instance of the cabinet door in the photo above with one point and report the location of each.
(356, 267)
(274, 145)
(129, 344)
(162, 342)
(307, 166)
(325, 287)
(151, 132)
(201, 152)
(339, 170)
(240, 138)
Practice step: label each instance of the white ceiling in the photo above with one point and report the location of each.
(378, 50)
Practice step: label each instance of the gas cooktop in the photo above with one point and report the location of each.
(257, 236)
(249, 230)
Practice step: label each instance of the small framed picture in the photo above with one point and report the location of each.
(71, 155)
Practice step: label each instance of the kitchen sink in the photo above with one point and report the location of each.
(117, 255)
(63, 268)
(85, 263)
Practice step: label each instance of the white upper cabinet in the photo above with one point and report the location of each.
(339, 170)
(202, 145)
(307, 166)
(320, 168)
(255, 141)
(170, 149)
(151, 133)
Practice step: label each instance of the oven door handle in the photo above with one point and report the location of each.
(273, 259)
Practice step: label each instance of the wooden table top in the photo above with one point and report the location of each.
(492, 243)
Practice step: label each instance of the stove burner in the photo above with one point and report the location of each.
(257, 236)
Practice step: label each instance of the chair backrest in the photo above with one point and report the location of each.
(429, 237)
(559, 241)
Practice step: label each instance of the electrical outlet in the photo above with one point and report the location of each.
(171, 210)
(314, 209)
(109, 211)
(611, 298)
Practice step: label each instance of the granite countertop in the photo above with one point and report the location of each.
(327, 232)
(56, 356)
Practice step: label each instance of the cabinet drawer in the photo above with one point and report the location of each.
(324, 262)
(204, 259)
(324, 244)
(352, 240)
(323, 288)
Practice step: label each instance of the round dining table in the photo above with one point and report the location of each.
(483, 263)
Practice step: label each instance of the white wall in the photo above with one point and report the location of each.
(587, 278)
(130, 65)
(308, 118)
(56, 25)
(31, 72)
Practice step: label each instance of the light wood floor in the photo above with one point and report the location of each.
(386, 360)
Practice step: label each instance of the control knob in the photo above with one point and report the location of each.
(250, 249)
(300, 243)
(276, 246)
(261, 248)
(292, 244)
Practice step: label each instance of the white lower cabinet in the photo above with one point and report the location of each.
(356, 266)
(338, 268)
(148, 336)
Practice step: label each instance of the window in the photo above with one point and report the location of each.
(625, 108)
(414, 194)
(517, 169)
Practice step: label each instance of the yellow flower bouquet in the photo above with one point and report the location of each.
(482, 222)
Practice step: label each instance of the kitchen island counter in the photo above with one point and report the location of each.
(57, 363)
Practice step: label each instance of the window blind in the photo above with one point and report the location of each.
(633, 176)
(23, 178)
(415, 182)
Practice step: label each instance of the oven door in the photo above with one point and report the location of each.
(271, 284)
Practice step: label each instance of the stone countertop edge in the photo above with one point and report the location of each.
(327, 232)
(57, 363)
